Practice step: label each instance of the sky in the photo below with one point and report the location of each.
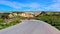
(29, 5)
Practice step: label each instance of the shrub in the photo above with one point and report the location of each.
(53, 20)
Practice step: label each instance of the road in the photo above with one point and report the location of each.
(31, 27)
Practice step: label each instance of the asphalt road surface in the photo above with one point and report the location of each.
(31, 27)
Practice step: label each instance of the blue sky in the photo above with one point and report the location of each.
(29, 5)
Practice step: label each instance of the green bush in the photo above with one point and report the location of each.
(1, 20)
(53, 20)
(2, 25)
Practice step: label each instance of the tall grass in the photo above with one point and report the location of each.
(5, 25)
(53, 20)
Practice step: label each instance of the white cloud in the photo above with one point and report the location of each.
(54, 6)
(12, 4)
(34, 5)
(18, 5)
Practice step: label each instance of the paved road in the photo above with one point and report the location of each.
(31, 27)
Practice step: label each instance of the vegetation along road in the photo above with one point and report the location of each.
(31, 27)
